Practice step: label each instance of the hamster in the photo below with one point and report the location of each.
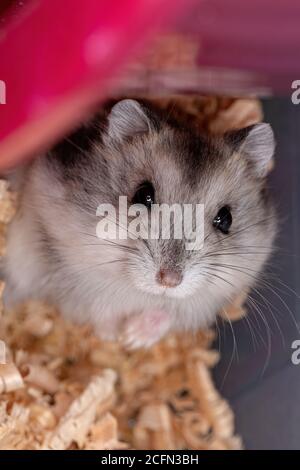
(139, 289)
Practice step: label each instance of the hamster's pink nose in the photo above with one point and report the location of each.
(169, 278)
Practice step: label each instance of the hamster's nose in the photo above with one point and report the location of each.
(169, 278)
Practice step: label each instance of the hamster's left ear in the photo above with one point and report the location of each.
(127, 119)
(257, 144)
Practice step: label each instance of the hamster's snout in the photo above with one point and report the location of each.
(169, 278)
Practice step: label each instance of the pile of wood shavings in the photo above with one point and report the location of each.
(61, 388)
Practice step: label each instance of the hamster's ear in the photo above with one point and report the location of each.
(126, 119)
(257, 143)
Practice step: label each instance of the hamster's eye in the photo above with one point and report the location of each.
(144, 195)
(223, 220)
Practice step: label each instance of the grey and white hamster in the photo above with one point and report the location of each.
(141, 289)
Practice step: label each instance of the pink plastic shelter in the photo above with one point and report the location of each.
(59, 58)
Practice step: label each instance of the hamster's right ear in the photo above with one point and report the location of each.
(257, 144)
(127, 119)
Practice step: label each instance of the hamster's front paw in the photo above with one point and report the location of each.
(145, 329)
(236, 309)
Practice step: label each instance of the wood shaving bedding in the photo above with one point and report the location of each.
(62, 388)
(89, 394)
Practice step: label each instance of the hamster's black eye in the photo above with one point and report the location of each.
(223, 220)
(144, 195)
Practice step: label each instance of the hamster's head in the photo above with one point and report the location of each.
(219, 182)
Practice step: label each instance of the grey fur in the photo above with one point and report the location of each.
(53, 251)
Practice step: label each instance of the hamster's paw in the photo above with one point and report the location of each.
(142, 331)
(236, 309)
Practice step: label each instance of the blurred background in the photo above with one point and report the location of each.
(257, 374)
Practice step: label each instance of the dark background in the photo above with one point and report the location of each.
(259, 379)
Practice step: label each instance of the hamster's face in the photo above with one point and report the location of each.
(152, 163)
(236, 225)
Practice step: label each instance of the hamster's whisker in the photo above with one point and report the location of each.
(244, 269)
(97, 265)
(234, 234)
(113, 245)
(252, 305)
(234, 247)
(62, 200)
(276, 279)
(270, 288)
(255, 324)
(275, 248)
(250, 209)
(270, 306)
(235, 253)
(252, 333)
(269, 336)
(243, 256)
(111, 242)
(103, 288)
(234, 350)
(213, 273)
